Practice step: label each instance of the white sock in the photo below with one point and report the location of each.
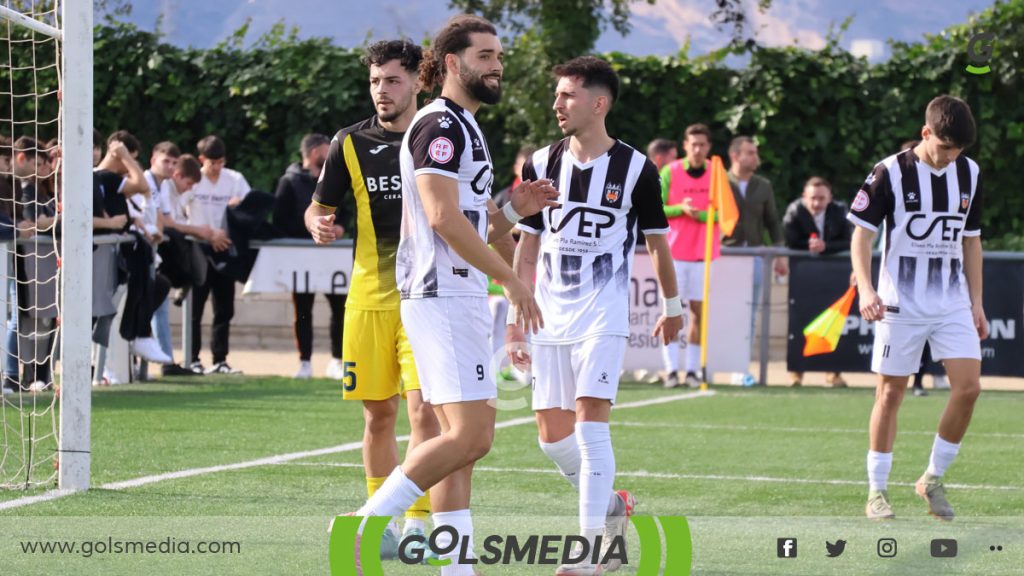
(879, 465)
(943, 454)
(693, 358)
(462, 522)
(415, 524)
(393, 497)
(566, 455)
(670, 356)
(597, 474)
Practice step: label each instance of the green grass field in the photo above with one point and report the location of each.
(745, 466)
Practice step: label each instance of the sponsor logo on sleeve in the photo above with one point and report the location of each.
(861, 201)
(441, 150)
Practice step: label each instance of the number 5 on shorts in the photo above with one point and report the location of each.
(349, 380)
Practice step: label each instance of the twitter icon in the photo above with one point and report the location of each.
(836, 549)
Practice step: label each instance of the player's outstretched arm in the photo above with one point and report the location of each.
(440, 197)
(671, 320)
(871, 306)
(527, 199)
(504, 245)
(972, 269)
(525, 267)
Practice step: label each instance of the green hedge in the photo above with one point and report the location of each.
(814, 112)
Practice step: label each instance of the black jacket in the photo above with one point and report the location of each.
(292, 197)
(798, 225)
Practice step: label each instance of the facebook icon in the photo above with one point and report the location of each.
(786, 547)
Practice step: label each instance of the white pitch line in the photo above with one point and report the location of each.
(671, 476)
(747, 428)
(283, 458)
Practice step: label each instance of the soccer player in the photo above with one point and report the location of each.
(377, 360)
(585, 246)
(442, 267)
(686, 193)
(929, 289)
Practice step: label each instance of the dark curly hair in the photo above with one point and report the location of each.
(380, 53)
(452, 39)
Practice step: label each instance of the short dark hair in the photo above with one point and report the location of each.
(169, 148)
(739, 141)
(311, 141)
(950, 119)
(211, 148)
(5, 146)
(189, 167)
(26, 145)
(909, 144)
(660, 146)
(695, 129)
(127, 138)
(407, 53)
(452, 39)
(97, 139)
(592, 71)
(817, 181)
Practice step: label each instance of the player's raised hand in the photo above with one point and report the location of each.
(323, 232)
(532, 196)
(527, 313)
(871, 306)
(668, 328)
(516, 347)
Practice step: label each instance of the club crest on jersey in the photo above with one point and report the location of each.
(441, 150)
(612, 192)
(965, 200)
(445, 122)
(861, 201)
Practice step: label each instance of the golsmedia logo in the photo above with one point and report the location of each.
(979, 52)
(349, 556)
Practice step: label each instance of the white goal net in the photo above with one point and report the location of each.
(36, 241)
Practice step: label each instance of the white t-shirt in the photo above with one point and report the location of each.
(443, 139)
(819, 223)
(178, 206)
(925, 214)
(587, 243)
(211, 199)
(743, 188)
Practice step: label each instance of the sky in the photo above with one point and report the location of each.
(659, 29)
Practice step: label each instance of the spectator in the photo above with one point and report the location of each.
(220, 187)
(755, 201)
(816, 223)
(119, 170)
(685, 191)
(292, 197)
(97, 147)
(182, 262)
(662, 151)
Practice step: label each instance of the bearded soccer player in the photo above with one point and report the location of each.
(376, 356)
(928, 198)
(584, 249)
(442, 267)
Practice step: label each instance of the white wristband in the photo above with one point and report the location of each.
(510, 213)
(510, 316)
(673, 306)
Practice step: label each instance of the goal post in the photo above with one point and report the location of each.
(76, 129)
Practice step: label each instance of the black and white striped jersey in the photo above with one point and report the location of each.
(443, 139)
(926, 213)
(587, 242)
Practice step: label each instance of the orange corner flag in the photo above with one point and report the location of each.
(722, 198)
(822, 334)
